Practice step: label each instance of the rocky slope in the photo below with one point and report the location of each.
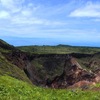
(72, 75)
(54, 70)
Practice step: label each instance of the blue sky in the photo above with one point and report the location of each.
(50, 22)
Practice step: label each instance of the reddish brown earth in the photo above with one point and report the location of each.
(74, 76)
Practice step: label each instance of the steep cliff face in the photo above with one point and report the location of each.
(72, 74)
(54, 70)
(22, 61)
(9, 69)
(12, 62)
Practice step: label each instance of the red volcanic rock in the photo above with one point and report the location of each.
(82, 84)
(97, 78)
(73, 76)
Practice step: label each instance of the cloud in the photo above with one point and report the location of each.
(27, 19)
(7, 3)
(11, 5)
(88, 10)
(4, 15)
(18, 12)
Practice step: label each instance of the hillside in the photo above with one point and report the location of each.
(5, 47)
(59, 49)
(17, 63)
(7, 67)
(13, 89)
(41, 68)
(50, 62)
(59, 71)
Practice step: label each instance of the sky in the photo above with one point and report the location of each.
(50, 22)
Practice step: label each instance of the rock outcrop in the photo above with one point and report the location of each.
(73, 76)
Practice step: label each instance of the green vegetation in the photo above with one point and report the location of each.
(13, 89)
(6, 68)
(60, 49)
(48, 66)
(3, 42)
(5, 47)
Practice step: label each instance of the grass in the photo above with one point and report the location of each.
(13, 89)
(59, 49)
(5, 47)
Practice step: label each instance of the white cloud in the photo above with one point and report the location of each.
(89, 10)
(30, 20)
(26, 13)
(12, 5)
(18, 12)
(7, 3)
(26, 21)
(4, 15)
